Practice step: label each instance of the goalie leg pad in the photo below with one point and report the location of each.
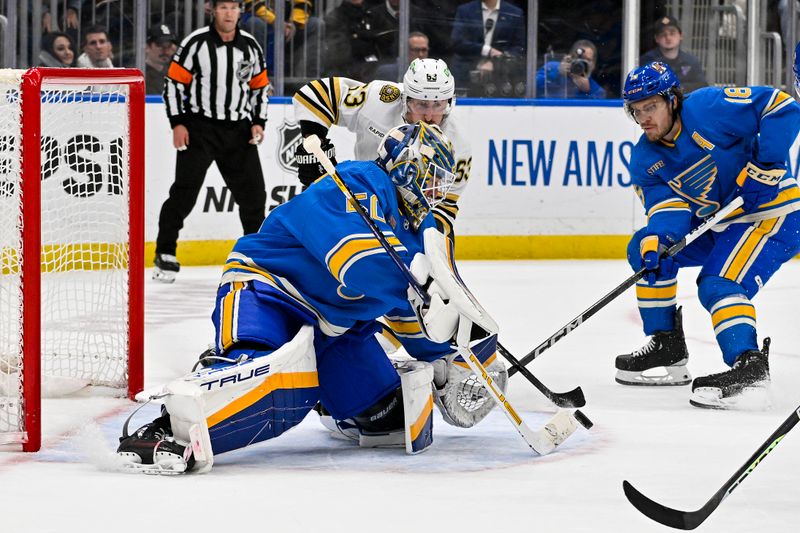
(219, 409)
(416, 378)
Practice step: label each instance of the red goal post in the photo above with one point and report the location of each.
(72, 198)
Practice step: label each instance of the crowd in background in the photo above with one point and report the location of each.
(484, 41)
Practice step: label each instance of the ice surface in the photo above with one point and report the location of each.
(482, 480)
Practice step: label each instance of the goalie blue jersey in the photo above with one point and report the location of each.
(682, 182)
(320, 255)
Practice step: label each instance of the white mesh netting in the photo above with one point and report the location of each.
(84, 239)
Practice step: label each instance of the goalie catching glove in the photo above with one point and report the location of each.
(461, 399)
(450, 301)
(309, 169)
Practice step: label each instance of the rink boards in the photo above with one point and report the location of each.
(548, 180)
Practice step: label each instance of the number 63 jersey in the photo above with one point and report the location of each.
(686, 180)
(370, 110)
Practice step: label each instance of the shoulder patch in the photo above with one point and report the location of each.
(701, 142)
(389, 93)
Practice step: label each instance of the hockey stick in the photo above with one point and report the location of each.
(625, 285)
(542, 441)
(692, 519)
(573, 398)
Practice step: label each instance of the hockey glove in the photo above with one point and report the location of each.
(758, 186)
(438, 319)
(309, 169)
(461, 399)
(659, 266)
(450, 301)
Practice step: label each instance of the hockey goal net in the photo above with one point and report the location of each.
(71, 239)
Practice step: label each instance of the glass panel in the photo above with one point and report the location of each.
(580, 49)
(703, 41)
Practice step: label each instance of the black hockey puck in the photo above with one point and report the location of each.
(583, 419)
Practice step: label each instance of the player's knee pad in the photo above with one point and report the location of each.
(461, 399)
(222, 408)
(712, 289)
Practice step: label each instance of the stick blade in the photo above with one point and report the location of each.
(573, 398)
(660, 513)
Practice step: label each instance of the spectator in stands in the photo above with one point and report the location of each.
(487, 29)
(384, 26)
(350, 48)
(572, 76)
(161, 46)
(300, 29)
(69, 12)
(418, 48)
(97, 49)
(57, 50)
(436, 17)
(668, 37)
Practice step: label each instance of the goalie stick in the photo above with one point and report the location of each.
(541, 441)
(625, 285)
(691, 519)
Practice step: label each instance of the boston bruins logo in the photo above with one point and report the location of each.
(389, 93)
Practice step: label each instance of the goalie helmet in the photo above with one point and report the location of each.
(428, 79)
(419, 161)
(653, 79)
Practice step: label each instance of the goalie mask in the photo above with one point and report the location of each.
(428, 87)
(419, 161)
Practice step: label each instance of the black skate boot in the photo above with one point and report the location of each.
(165, 268)
(746, 385)
(152, 449)
(665, 349)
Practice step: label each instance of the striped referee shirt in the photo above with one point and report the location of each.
(217, 79)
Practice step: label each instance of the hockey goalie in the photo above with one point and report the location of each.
(295, 322)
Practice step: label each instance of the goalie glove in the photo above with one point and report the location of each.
(437, 319)
(758, 186)
(450, 301)
(461, 399)
(309, 169)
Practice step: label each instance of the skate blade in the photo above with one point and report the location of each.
(165, 465)
(164, 276)
(750, 399)
(660, 376)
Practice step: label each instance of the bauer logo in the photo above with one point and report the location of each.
(290, 138)
(238, 377)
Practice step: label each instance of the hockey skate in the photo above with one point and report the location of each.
(746, 385)
(364, 430)
(152, 450)
(665, 350)
(166, 267)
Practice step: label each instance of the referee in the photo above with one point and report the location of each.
(215, 94)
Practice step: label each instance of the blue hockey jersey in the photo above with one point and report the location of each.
(318, 252)
(682, 182)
